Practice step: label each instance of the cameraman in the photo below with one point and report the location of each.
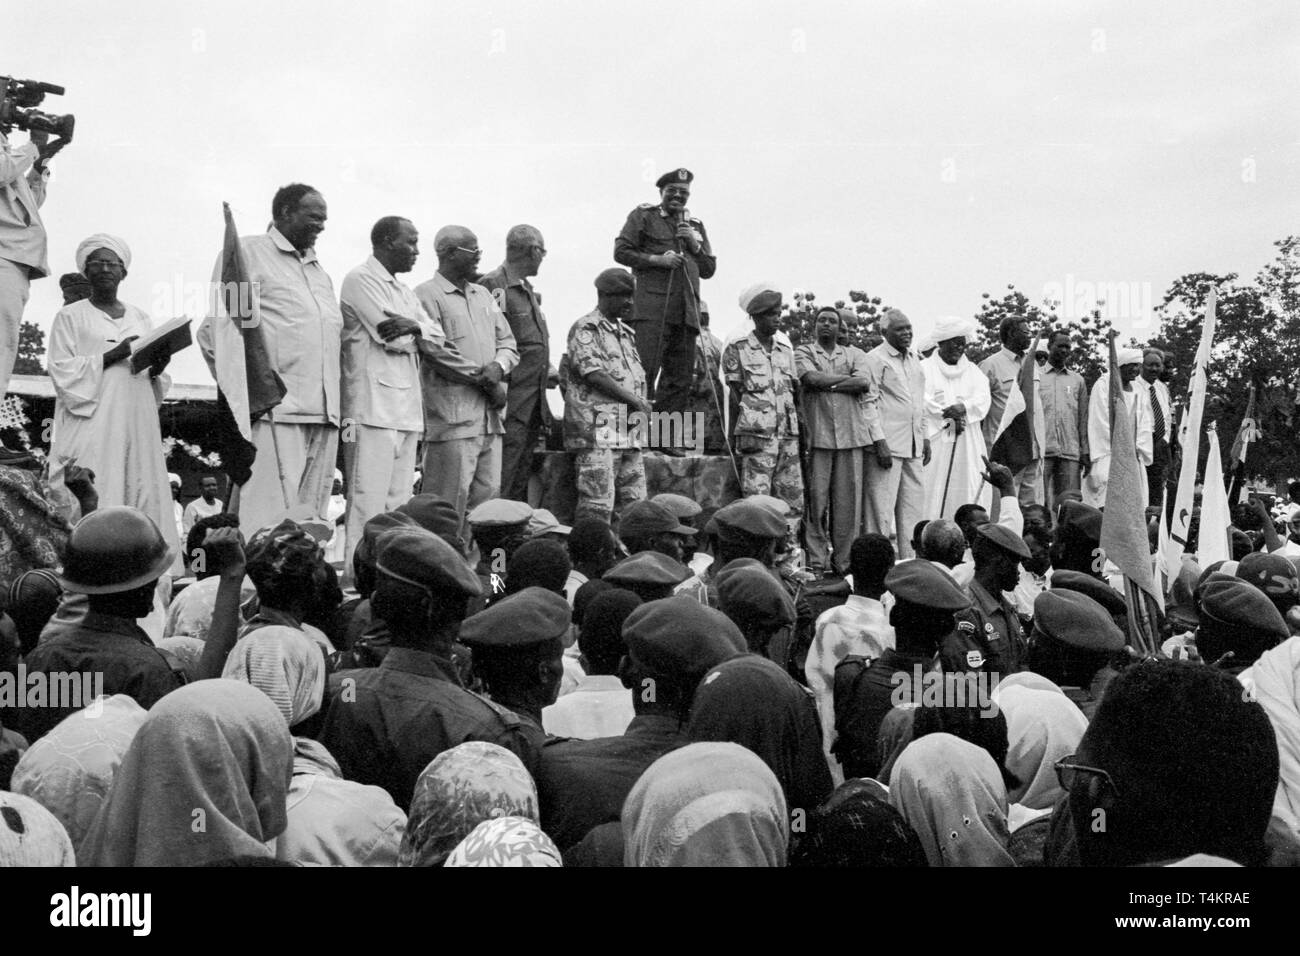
(23, 173)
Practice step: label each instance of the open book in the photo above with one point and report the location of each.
(167, 339)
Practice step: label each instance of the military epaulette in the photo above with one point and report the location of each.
(647, 205)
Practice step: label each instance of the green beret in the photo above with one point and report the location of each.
(533, 616)
(751, 518)
(674, 176)
(500, 511)
(751, 592)
(1234, 604)
(432, 514)
(679, 505)
(1076, 516)
(925, 584)
(1274, 574)
(1076, 620)
(641, 519)
(615, 282)
(1006, 539)
(647, 567)
(420, 557)
(680, 636)
(1095, 588)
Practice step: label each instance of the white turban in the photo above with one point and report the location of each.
(952, 327)
(102, 240)
(760, 297)
(173, 478)
(1128, 357)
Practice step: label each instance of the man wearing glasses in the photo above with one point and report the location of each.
(527, 413)
(461, 370)
(668, 253)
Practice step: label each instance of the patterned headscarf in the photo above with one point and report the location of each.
(951, 793)
(856, 827)
(274, 547)
(458, 790)
(506, 841)
(70, 770)
(102, 240)
(30, 835)
(283, 664)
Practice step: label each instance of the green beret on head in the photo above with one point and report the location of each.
(924, 584)
(419, 557)
(680, 636)
(753, 593)
(615, 282)
(1236, 605)
(1098, 590)
(1076, 620)
(647, 568)
(1006, 539)
(533, 616)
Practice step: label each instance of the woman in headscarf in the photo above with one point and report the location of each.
(751, 701)
(205, 779)
(70, 770)
(105, 414)
(894, 736)
(506, 841)
(951, 793)
(460, 789)
(30, 835)
(331, 821)
(711, 804)
(1043, 726)
(858, 827)
(1274, 681)
(957, 399)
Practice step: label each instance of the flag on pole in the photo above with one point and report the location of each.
(1124, 538)
(1214, 544)
(248, 386)
(1247, 433)
(1015, 443)
(1181, 519)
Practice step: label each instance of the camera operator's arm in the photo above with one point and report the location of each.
(39, 174)
(15, 162)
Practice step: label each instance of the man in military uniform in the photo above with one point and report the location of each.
(385, 723)
(669, 253)
(649, 575)
(527, 413)
(707, 399)
(760, 374)
(518, 647)
(498, 527)
(988, 636)
(671, 645)
(606, 386)
(1072, 643)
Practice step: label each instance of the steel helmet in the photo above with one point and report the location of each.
(114, 549)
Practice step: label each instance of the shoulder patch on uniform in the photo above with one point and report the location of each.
(974, 659)
(966, 627)
(584, 336)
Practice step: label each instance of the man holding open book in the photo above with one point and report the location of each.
(106, 408)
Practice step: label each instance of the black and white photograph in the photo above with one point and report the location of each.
(693, 434)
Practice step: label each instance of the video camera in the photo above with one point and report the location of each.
(18, 102)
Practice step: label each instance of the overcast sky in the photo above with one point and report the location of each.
(925, 152)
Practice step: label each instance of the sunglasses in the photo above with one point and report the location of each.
(1067, 772)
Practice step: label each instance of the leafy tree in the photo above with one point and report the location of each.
(31, 346)
(1088, 333)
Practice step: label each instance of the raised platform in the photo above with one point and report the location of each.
(707, 479)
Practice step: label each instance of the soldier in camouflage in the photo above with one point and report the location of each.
(760, 375)
(606, 387)
(706, 387)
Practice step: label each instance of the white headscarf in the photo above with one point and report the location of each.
(1128, 357)
(1042, 727)
(951, 327)
(1274, 680)
(951, 793)
(102, 240)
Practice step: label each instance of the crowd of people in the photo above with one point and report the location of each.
(946, 676)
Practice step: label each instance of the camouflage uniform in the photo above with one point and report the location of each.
(766, 433)
(707, 398)
(608, 452)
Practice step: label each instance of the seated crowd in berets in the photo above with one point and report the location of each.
(662, 694)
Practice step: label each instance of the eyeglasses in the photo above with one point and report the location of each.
(471, 252)
(1067, 772)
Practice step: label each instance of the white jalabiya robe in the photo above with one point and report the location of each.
(107, 419)
(1139, 406)
(946, 385)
